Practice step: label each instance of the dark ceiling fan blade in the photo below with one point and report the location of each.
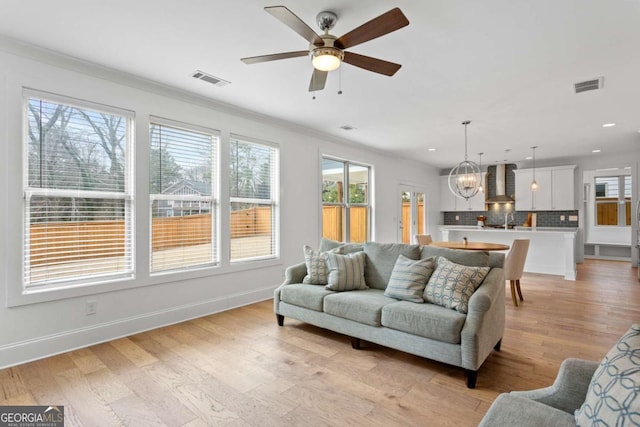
(274, 57)
(289, 19)
(371, 64)
(318, 80)
(384, 24)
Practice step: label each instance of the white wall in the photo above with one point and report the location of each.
(43, 326)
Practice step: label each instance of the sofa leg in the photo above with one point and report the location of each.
(471, 378)
(497, 346)
(355, 343)
(280, 319)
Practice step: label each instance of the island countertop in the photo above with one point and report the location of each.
(552, 250)
(510, 230)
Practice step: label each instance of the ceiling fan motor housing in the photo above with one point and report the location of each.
(326, 20)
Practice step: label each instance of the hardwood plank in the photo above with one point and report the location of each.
(238, 368)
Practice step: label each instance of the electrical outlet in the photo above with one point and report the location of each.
(573, 217)
(561, 217)
(457, 217)
(91, 307)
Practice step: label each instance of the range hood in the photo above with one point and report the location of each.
(500, 179)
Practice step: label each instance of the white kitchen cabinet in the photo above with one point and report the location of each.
(451, 203)
(563, 184)
(447, 199)
(555, 189)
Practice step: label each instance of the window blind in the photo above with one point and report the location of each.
(254, 200)
(78, 196)
(182, 195)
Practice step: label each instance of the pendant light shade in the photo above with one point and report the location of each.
(534, 183)
(465, 179)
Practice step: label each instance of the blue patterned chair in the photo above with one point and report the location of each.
(584, 393)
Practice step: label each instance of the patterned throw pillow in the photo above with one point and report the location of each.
(613, 397)
(451, 285)
(317, 269)
(409, 277)
(346, 272)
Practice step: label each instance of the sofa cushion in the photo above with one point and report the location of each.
(381, 258)
(509, 410)
(346, 272)
(613, 396)
(364, 306)
(471, 258)
(346, 248)
(451, 285)
(302, 295)
(425, 320)
(316, 262)
(409, 277)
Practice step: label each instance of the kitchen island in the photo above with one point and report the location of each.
(551, 250)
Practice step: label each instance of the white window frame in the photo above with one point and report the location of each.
(345, 204)
(273, 201)
(127, 195)
(213, 199)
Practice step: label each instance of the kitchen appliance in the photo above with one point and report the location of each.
(498, 191)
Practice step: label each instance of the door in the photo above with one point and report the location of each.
(412, 217)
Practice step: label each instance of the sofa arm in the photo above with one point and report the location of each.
(295, 273)
(569, 389)
(484, 326)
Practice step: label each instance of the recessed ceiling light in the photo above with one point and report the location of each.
(608, 125)
(528, 158)
(596, 151)
(431, 149)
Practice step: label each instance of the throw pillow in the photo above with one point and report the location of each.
(409, 277)
(346, 272)
(613, 396)
(317, 270)
(452, 285)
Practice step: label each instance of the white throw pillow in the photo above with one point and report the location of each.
(317, 269)
(452, 285)
(346, 272)
(409, 278)
(613, 396)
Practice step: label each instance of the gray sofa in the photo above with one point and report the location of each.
(426, 330)
(550, 406)
(584, 393)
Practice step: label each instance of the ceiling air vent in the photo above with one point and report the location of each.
(201, 75)
(588, 85)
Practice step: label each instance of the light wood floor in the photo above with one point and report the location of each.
(238, 368)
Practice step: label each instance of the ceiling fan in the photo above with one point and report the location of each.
(328, 51)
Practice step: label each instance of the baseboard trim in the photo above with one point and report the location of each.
(50, 345)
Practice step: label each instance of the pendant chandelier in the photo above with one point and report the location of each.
(481, 187)
(534, 183)
(465, 179)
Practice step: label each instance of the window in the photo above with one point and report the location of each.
(254, 199)
(345, 217)
(182, 187)
(77, 192)
(613, 200)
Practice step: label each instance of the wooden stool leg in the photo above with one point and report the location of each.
(513, 292)
(518, 289)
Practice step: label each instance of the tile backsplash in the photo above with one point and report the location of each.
(496, 216)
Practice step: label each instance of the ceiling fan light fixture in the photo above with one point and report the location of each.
(327, 58)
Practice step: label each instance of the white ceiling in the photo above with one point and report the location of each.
(506, 65)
